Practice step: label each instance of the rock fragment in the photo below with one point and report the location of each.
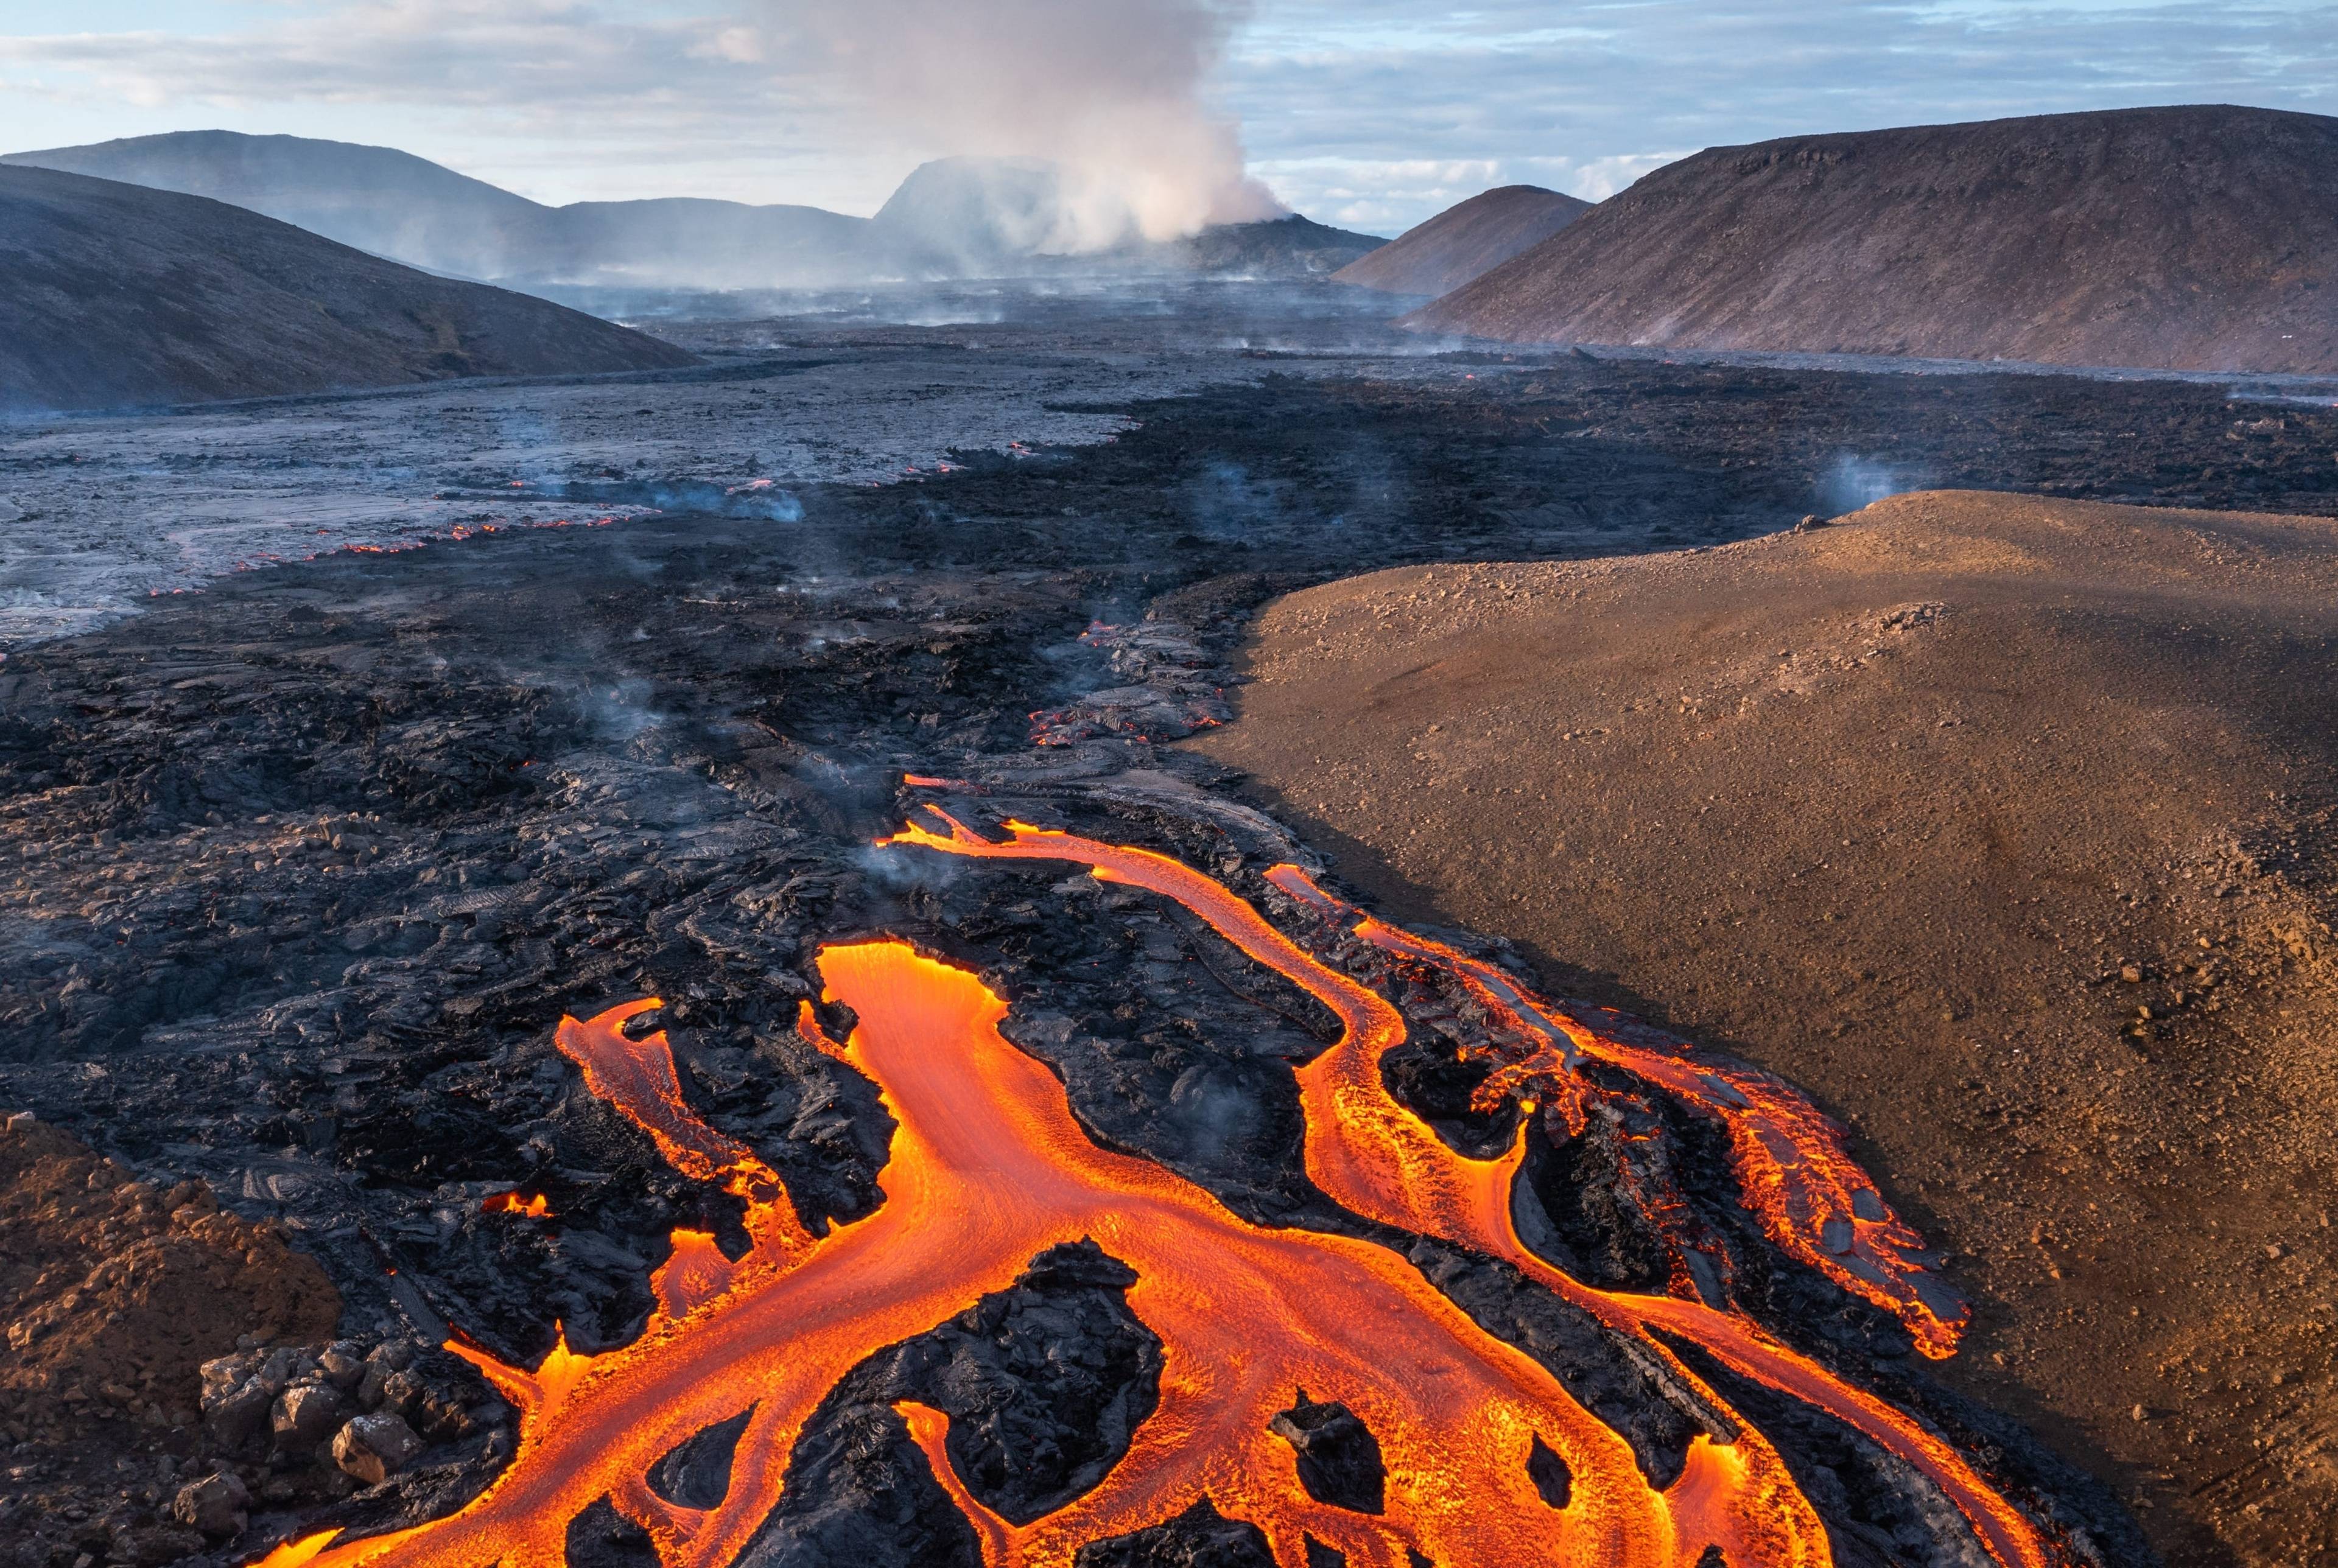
(307, 1415)
(239, 1417)
(375, 1446)
(1338, 1458)
(215, 1505)
(341, 1366)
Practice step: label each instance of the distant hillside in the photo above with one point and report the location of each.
(1465, 242)
(116, 294)
(952, 217)
(411, 210)
(2201, 238)
(1292, 247)
(678, 241)
(377, 198)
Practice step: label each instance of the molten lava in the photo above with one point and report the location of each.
(1374, 1156)
(1812, 1197)
(987, 1169)
(535, 1207)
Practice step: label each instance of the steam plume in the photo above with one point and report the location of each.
(1111, 91)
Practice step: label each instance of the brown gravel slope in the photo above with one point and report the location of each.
(2197, 238)
(1466, 241)
(116, 1291)
(2006, 826)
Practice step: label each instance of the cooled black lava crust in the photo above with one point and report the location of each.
(296, 875)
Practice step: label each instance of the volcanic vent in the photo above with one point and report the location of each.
(1335, 1388)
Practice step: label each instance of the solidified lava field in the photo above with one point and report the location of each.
(305, 869)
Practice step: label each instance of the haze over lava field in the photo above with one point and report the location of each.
(845, 734)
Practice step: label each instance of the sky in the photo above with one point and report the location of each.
(1372, 114)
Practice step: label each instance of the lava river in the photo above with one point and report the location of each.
(987, 1167)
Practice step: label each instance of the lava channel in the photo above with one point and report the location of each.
(1371, 1154)
(988, 1168)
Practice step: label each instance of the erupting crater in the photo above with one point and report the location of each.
(1487, 1461)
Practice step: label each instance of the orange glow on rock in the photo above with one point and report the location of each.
(535, 1207)
(292, 1554)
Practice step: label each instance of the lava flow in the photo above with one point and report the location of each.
(986, 1169)
(1812, 1197)
(1371, 1154)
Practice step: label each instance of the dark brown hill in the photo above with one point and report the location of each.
(2202, 238)
(117, 294)
(1287, 247)
(1465, 242)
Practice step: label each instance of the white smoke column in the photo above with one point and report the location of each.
(1113, 91)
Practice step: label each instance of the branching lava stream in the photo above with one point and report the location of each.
(987, 1169)
(1374, 1156)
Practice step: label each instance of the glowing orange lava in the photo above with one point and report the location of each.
(1812, 1197)
(537, 1207)
(987, 1169)
(1374, 1156)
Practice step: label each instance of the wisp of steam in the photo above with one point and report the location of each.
(1113, 94)
(1856, 482)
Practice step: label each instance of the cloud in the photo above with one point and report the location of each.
(1370, 112)
(560, 99)
(1113, 91)
(445, 52)
(1594, 92)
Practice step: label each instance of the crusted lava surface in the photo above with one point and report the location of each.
(299, 874)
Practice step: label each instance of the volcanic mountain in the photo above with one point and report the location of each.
(1465, 242)
(1287, 247)
(2201, 238)
(113, 294)
(972, 216)
(950, 218)
(395, 204)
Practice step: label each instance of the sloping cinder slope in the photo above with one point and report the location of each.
(376, 199)
(116, 294)
(2201, 238)
(2008, 825)
(1465, 242)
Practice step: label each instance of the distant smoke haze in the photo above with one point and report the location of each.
(1111, 91)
